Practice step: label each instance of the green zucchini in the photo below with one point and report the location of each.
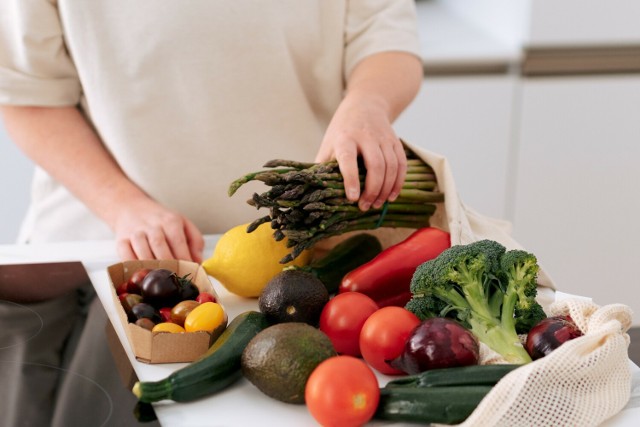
(342, 258)
(445, 405)
(462, 376)
(218, 368)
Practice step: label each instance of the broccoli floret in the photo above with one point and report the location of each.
(519, 272)
(427, 306)
(488, 289)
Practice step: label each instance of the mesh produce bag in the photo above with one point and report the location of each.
(581, 383)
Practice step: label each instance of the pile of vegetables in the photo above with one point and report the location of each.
(486, 288)
(307, 202)
(459, 296)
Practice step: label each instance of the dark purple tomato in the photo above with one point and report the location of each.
(161, 288)
(145, 311)
(549, 334)
(438, 343)
(189, 291)
(128, 301)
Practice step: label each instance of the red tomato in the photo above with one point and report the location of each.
(205, 297)
(384, 335)
(122, 288)
(342, 391)
(133, 284)
(342, 319)
(165, 313)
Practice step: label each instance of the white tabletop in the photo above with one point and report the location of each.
(241, 404)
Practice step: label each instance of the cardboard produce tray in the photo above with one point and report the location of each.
(163, 347)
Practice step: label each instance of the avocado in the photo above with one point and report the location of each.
(280, 359)
(293, 296)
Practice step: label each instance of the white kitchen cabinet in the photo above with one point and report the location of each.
(468, 120)
(577, 192)
(567, 23)
(15, 183)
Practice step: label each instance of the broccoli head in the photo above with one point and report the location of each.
(487, 288)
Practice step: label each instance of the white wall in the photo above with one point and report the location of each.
(15, 180)
(577, 198)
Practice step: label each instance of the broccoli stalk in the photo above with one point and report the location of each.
(519, 270)
(488, 289)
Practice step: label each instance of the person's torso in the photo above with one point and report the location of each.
(188, 96)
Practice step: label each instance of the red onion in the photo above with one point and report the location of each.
(438, 343)
(549, 334)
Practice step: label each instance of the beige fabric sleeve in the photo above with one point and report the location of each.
(35, 67)
(379, 25)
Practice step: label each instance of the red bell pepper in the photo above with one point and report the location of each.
(387, 277)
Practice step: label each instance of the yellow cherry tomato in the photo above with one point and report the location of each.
(167, 327)
(205, 317)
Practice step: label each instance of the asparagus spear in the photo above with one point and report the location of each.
(307, 202)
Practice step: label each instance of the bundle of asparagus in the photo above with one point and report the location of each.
(307, 202)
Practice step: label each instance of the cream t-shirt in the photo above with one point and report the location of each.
(189, 95)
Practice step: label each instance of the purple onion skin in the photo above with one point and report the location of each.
(549, 334)
(437, 343)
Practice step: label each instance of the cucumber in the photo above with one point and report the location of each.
(446, 396)
(215, 370)
(341, 259)
(467, 375)
(446, 405)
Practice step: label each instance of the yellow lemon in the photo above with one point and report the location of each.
(244, 262)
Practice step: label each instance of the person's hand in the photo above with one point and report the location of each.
(362, 127)
(146, 230)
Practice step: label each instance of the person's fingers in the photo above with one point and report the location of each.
(140, 245)
(324, 154)
(347, 157)
(401, 158)
(124, 250)
(195, 241)
(390, 175)
(176, 238)
(375, 164)
(158, 242)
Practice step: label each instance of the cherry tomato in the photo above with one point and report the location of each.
(205, 297)
(342, 391)
(181, 310)
(165, 314)
(167, 327)
(342, 319)
(122, 288)
(134, 282)
(128, 301)
(142, 309)
(384, 335)
(205, 317)
(145, 323)
(161, 288)
(189, 291)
